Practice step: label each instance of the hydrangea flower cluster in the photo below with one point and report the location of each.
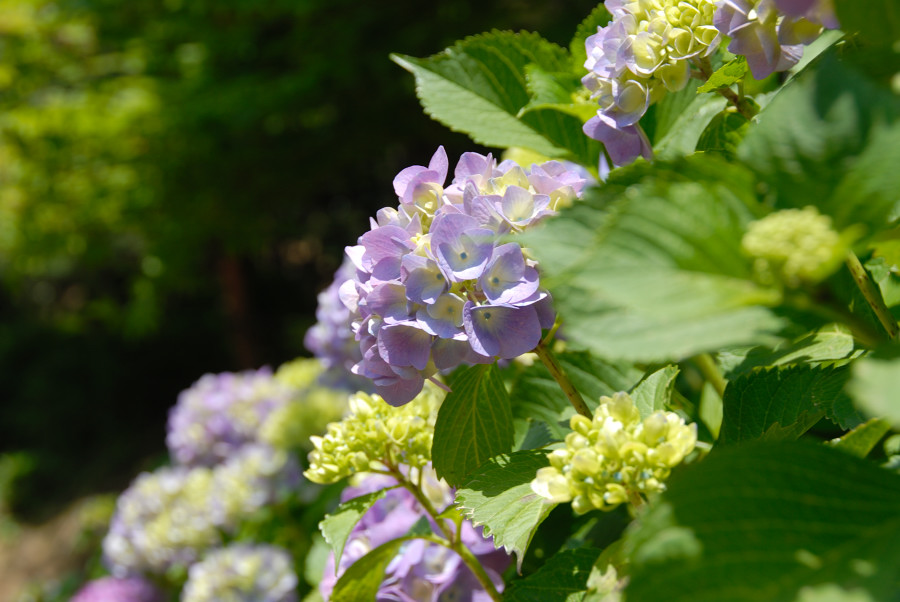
(242, 573)
(643, 52)
(112, 589)
(437, 284)
(253, 477)
(608, 460)
(794, 246)
(374, 436)
(220, 413)
(312, 406)
(330, 338)
(161, 520)
(170, 516)
(421, 570)
(772, 33)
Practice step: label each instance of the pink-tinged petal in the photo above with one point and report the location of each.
(440, 164)
(404, 345)
(402, 179)
(386, 241)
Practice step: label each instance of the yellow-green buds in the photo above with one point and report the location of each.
(795, 246)
(376, 436)
(614, 457)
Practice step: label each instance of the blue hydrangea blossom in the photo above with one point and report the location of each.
(438, 282)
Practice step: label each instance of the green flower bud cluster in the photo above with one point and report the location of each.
(794, 246)
(310, 409)
(614, 457)
(376, 436)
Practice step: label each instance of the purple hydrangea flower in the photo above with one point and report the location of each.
(631, 62)
(161, 520)
(421, 571)
(112, 589)
(331, 340)
(772, 33)
(222, 412)
(444, 249)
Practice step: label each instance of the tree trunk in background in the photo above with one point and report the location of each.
(238, 316)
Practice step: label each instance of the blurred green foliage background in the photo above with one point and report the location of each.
(177, 181)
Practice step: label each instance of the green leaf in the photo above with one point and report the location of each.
(863, 439)
(676, 122)
(831, 139)
(873, 387)
(728, 74)
(654, 392)
(763, 521)
(876, 20)
(499, 496)
(421, 527)
(337, 526)
(361, 580)
(473, 425)
(649, 267)
(562, 579)
(724, 133)
(599, 17)
(479, 87)
(535, 395)
(829, 343)
(779, 403)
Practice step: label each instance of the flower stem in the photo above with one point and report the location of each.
(453, 540)
(872, 295)
(560, 377)
(710, 371)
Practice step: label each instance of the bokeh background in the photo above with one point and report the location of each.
(178, 179)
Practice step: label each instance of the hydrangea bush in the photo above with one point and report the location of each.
(657, 359)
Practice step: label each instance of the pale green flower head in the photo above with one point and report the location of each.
(614, 457)
(376, 436)
(309, 411)
(794, 246)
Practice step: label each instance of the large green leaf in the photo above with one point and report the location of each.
(830, 138)
(876, 20)
(779, 403)
(535, 395)
(337, 526)
(650, 268)
(874, 387)
(474, 423)
(562, 579)
(361, 580)
(830, 343)
(499, 496)
(479, 87)
(676, 123)
(763, 521)
(863, 439)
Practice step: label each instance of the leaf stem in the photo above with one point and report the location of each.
(872, 295)
(711, 373)
(736, 99)
(560, 377)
